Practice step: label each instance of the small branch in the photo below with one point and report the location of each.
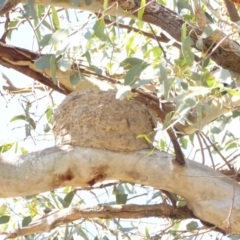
(56, 218)
(216, 149)
(153, 103)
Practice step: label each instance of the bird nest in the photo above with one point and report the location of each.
(96, 119)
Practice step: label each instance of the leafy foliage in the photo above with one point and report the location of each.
(128, 52)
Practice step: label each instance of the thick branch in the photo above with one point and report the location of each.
(211, 196)
(56, 218)
(22, 60)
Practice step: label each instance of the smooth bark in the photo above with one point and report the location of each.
(211, 196)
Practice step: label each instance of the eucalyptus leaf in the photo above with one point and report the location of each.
(43, 62)
(53, 68)
(192, 226)
(45, 40)
(76, 2)
(26, 221)
(58, 36)
(99, 29)
(4, 219)
(133, 75)
(75, 77)
(64, 64)
(187, 52)
(55, 19)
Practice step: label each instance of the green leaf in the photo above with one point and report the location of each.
(184, 32)
(87, 55)
(29, 10)
(133, 75)
(232, 92)
(129, 45)
(121, 198)
(45, 40)
(4, 219)
(26, 221)
(105, 238)
(141, 82)
(105, 4)
(192, 226)
(64, 64)
(49, 115)
(199, 43)
(64, 204)
(23, 150)
(47, 25)
(132, 61)
(99, 28)
(19, 117)
(232, 145)
(167, 120)
(24, 118)
(216, 130)
(163, 74)
(141, 9)
(53, 68)
(147, 235)
(235, 113)
(40, 10)
(75, 2)
(119, 189)
(184, 142)
(167, 86)
(3, 209)
(43, 62)
(75, 77)
(5, 147)
(58, 36)
(82, 233)
(187, 52)
(88, 2)
(46, 128)
(55, 19)
(68, 198)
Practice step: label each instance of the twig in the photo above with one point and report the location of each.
(209, 152)
(215, 148)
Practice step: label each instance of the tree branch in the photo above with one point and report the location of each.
(56, 218)
(202, 187)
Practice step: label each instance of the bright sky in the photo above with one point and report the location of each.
(13, 108)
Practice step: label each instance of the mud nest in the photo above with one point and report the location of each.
(94, 118)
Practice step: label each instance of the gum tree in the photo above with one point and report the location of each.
(148, 127)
